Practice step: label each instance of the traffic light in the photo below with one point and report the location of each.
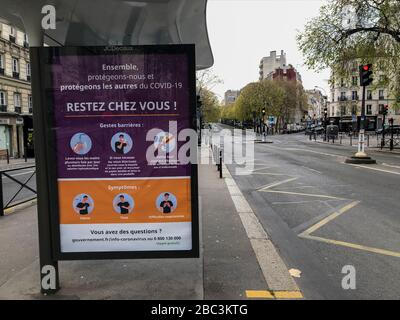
(263, 111)
(366, 75)
(385, 110)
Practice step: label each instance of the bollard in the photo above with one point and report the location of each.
(25, 154)
(367, 140)
(351, 140)
(340, 139)
(220, 164)
(8, 156)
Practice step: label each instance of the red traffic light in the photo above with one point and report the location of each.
(366, 67)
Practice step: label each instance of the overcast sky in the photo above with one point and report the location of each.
(243, 31)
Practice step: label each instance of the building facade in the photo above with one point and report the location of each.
(346, 100)
(316, 102)
(288, 73)
(16, 130)
(231, 96)
(271, 63)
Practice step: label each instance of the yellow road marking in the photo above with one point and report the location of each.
(329, 218)
(271, 294)
(287, 294)
(259, 294)
(304, 194)
(353, 245)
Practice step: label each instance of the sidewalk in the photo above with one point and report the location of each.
(227, 266)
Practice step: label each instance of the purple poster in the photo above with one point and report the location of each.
(123, 184)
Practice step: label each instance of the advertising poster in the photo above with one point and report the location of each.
(119, 119)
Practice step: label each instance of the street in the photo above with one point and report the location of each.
(323, 215)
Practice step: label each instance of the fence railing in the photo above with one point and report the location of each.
(21, 185)
(372, 140)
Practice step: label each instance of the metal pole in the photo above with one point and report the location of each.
(391, 134)
(49, 275)
(220, 164)
(383, 132)
(8, 156)
(25, 154)
(361, 138)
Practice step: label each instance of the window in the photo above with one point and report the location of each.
(26, 38)
(354, 95)
(3, 98)
(354, 81)
(17, 100)
(343, 110)
(369, 109)
(15, 65)
(342, 96)
(12, 32)
(369, 95)
(28, 71)
(30, 103)
(354, 110)
(381, 95)
(341, 82)
(381, 106)
(1, 61)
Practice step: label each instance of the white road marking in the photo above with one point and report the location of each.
(274, 184)
(20, 174)
(372, 168)
(275, 272)
(313, 170)
(390, 165)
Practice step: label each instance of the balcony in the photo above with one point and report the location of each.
(16, 75)
(17, 110)
(12, 39)
(3, 108)
(342, 98)
(381, 97)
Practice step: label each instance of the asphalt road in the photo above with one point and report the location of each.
(323, 215)
(10, 187)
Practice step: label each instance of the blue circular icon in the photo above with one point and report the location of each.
(123, 203)
(166, 202)
(165, 141)
(121, 143)
(83, 204)
(80, 143)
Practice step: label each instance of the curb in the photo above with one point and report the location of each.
(19, 207)
(280, 283)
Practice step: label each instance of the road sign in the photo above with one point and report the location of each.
(116, 186)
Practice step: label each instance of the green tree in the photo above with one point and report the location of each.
(365, 30)
(206, 80)
(210, 106)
